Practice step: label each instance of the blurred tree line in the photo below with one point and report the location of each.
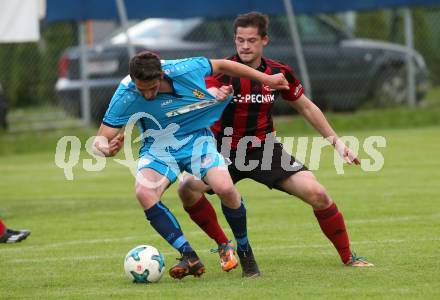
(28, 71)
(388, 25)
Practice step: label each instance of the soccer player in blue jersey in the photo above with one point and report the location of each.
(174, 112)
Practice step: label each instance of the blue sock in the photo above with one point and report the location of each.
(167, 226)
(237, 221)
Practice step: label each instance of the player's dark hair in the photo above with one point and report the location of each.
(145, 66)
(253, 19)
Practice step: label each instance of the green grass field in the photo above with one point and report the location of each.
(82, 229)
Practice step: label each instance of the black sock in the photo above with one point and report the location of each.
(167, 226)
(237, 221)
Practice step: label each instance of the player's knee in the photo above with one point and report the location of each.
(182, 188)
(184, 191)
(319, 197)
(226, 191)
(147, 197)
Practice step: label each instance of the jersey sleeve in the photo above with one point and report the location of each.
(191, 71)
(295, 90)
(197, 67)
(205, 66)
(118, 112)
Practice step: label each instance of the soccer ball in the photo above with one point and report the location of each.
(144, 264)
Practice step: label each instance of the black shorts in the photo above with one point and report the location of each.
(267, 169)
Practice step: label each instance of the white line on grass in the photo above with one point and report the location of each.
(70, 243)
(265, 249)
(392, 219)
(199, 232)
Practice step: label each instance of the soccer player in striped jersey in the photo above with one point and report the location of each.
(249, 115)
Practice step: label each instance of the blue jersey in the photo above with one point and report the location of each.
(187, 110)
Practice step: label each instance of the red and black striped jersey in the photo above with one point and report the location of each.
(250, 111)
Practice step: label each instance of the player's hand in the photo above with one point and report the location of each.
(224, 92)
(116, 144)
(107, 149)
(346, 153)
(277, 82)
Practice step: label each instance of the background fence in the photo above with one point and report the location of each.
(346, 73)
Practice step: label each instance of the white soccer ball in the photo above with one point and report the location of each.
(144, 264)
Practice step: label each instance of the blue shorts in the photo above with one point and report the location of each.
(196, 156)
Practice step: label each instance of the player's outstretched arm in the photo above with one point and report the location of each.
(235, 69)
(316, 118)
(108, 141)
